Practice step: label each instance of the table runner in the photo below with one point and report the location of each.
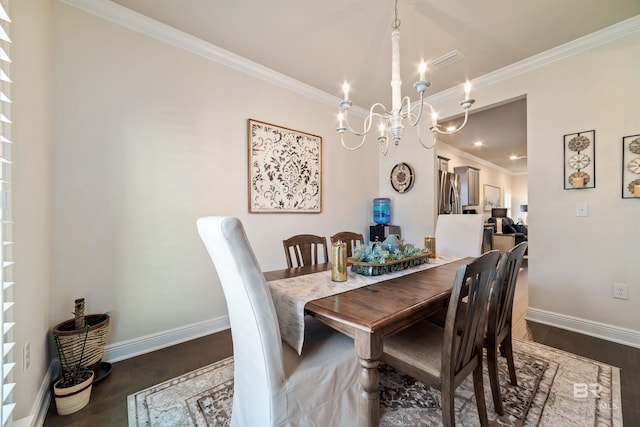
(290, 295)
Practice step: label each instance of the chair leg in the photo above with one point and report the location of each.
(494, 379)
(508, 353)
(448, 406)
(478, 389)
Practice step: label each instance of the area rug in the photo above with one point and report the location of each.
(555, 388)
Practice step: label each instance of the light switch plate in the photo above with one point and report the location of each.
(582, 209)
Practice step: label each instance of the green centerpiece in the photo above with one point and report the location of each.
(378, 258)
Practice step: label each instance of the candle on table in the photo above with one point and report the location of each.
(636, 190)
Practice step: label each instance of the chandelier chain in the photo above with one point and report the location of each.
(396, 22)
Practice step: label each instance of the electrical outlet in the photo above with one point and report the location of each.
(26, 356)
(582, 209)
(620, 291)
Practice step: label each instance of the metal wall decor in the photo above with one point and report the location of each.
(631, 167)
(579, 160)
(285, 170)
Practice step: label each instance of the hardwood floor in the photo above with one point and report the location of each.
(624, 357)
(108, 405)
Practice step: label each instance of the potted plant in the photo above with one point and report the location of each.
(82, 338)
(72, 390)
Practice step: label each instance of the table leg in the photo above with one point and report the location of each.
(369, 349)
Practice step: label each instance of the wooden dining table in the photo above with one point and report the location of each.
(369, 314)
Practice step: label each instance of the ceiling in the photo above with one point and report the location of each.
(323, 43)
(502, 130)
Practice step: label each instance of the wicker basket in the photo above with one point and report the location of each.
(72, 399)
(375, 269)
(72, 340)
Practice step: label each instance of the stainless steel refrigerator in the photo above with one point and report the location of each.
(449, 193)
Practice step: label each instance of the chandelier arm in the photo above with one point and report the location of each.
(417, 127)
(364, 137)
(419, 116)
(367, 127)
(433, 134)
(436, 128)
(384, 145)
(368, 121)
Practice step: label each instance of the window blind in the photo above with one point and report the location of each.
(6, 228)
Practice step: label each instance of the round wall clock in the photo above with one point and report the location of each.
(402, 177)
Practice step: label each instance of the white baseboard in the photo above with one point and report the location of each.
(135, 347)
(125, 350)
(604, 331)
(41, 402)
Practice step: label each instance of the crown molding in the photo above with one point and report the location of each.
(478, 160)
(135, 21)
(140, 23)
(590, 41)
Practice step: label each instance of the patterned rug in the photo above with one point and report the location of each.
(555, 388)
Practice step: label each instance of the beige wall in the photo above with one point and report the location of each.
(149, 137)
(31, 114)
(414, 210)
(519, 195)
(573, 262)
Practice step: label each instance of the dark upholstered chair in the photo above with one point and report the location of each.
(509, 227)
(444, 357)
(306, 248)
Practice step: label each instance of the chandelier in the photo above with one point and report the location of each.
(390, 122)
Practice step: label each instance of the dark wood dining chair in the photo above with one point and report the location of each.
(306, 249)
(444, 357)
(350, 238)
(499, 326)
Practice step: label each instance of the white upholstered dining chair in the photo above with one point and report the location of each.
(273, 385)
(459, 235)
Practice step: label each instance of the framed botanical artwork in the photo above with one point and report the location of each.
(285, 170)
(631, 167)
(492, 197)
(580, 160)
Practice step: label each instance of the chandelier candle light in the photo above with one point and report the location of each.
(391, 121)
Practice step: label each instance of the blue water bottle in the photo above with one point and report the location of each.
(382, 210)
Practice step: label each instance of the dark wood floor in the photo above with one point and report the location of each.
(108, 405)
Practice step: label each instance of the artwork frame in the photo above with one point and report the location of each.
(579, 160)
(285, 169)
(492, 197)
(630, 166)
